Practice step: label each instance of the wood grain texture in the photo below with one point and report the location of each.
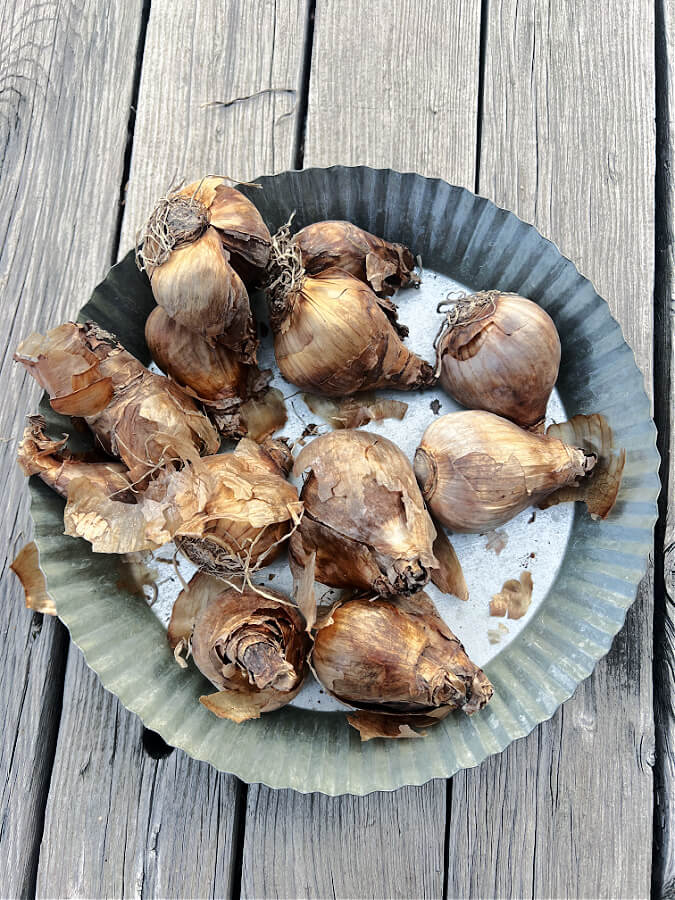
(130, 825)
(568, 143)
(142, 827)
(409, 101)
(218, 95)
(663, 873)
(58, 211)
(308, 845)
(395, 85)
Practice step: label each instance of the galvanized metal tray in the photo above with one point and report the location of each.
(585, 573)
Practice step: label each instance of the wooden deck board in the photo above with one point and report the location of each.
(568, 144)
(140, 826)
(409, 101)
(663, 874)
(58, 217)
(565, 812)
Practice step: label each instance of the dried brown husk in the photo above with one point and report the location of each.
(331, 334)
(514, 598)
(396, 658)
(364, 515)
(148, 422)
(499, 352)
(354, 411)
(197, 246)
(208, 371)
(477, 470)
(58, 467)
(26, 567)
(263, 415)
(62, 363)
(252, 648)
(384, 266)
(228, 513)
(448, 576)
(600, 490)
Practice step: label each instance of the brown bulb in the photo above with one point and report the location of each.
(332, 335)
(196, 247)
(364, 515)
(501, 353)
(144, 419)
(250, 644)
(477, 470)
(396, 657)
(382, 265)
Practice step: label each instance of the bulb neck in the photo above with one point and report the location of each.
(426, 472)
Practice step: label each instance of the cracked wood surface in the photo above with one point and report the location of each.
(566, 141)
(58, 216)
(568, 144)
(120, 823)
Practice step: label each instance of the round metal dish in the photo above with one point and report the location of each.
(465, 239)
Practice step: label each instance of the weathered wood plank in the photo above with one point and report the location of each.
(308, 845)
(224, 103)
(140, 826)
(568, 143)
(65, 89)
(395, 85)
(130, 825)
(663, 874)
(409, 101)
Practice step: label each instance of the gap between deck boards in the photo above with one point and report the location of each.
(664, 634)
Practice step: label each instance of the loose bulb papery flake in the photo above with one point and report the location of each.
(395, 659)
(477, 470)
(252, 647)
(501, 353)
(382, 265)
(364, 516)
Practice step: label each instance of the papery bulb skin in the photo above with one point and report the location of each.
(331, 336)
(144, 419)
(245, 637)
(382, 265)
(396, 656)
(364, 516)
(477, 470)
(501, 353)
